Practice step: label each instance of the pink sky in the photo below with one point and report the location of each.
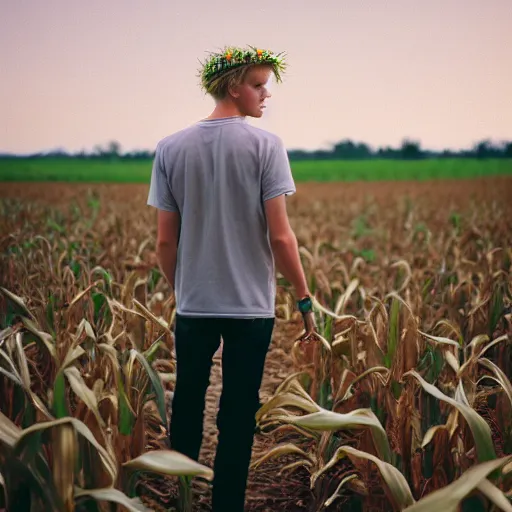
(76, 74)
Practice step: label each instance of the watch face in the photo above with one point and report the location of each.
(305, 305)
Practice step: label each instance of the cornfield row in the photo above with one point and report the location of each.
(403, 401)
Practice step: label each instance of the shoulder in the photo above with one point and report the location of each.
(174, 140)
(264, 136)
(265, 142)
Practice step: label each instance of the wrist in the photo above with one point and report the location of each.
(305, 304)
(301, 293)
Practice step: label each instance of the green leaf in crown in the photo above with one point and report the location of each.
(233, 57)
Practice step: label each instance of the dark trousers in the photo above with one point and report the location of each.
(246, 343)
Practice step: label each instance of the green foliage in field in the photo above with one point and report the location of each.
(95, 171)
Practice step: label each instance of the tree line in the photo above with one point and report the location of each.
(408, 150)
(346, 149)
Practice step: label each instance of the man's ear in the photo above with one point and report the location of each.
(233, 91)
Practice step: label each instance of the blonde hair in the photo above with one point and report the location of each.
(219, 86)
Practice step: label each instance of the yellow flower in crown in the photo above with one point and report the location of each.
(259, 53)
(229, 55)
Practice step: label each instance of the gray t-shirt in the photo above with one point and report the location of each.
(217, 174)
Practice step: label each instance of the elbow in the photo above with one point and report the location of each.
(163, 247)
(283, 240)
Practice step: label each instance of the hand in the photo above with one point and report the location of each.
(309, 325)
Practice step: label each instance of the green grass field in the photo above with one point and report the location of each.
(124, 171)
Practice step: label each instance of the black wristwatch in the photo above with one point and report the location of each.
(305, 304)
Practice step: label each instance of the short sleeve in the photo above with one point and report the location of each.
(277, 176)
(160, 195)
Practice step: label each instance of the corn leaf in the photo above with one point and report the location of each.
(440, 340)
(25, 478)
(500, 376)
(287, 400)
(452, 327)
(22, 361)
(156, 383)
(360, 418)
(505, 337)
(111, 353)
(18, 302)
(116, 305)
(152, 351)
(342, 301)
(152, 318)
(284, 426)
(395, 296)
(82, 294)
(477, 341)
(430, 434)
(448, 498)
(126, 413)
(10, 364)
(85, 394)
(393, 332)
(113, 496)
(60, 408)
(288, 382)
(36, 429)
(72, 355)
(493, 494)
(479, 427)
(399, 490)
(452, 361)
(280, 450)
(17, 379)
(106, 276)
(375, 369)
(9, 432)
(460, 394)
(328, 312)
(294, 465)
(316, 336)
(337, 492)
(5, 333)
(41, 336)
(64, 448)
(11, 376)
(170, 463)
(87, 327)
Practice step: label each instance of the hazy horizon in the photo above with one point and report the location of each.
(77, 76)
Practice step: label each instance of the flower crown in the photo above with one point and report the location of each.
(231, 58)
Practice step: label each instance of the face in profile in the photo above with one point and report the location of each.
(250, 96)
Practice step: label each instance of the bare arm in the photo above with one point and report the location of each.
(168, 230)
(284, 245)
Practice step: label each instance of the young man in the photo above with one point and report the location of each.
(219, 187)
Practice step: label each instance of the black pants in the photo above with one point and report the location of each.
(246, 342)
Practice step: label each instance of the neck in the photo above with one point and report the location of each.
(225, 109)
